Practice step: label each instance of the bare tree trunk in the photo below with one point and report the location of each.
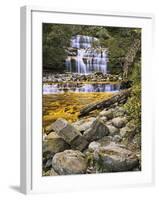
(130, 56)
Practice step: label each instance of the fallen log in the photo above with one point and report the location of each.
(120, 97)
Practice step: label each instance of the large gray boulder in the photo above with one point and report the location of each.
(69, 162)
(119, 122)
(116, 158)
(96, 131)
(70, 134)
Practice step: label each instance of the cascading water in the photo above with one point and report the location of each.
(87, 59)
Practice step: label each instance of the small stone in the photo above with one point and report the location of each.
(125, 131)
(104, 119)
(52, 135)
(94, 146)
(107, 113)
(119, 122)
(120, 112)
(117, 138)
(113, 130)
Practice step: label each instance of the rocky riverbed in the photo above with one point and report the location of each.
(76, 77)
(106, 142)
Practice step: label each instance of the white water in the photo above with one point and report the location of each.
(55, 88)
(88, 58)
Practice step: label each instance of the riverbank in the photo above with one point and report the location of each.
(104, 140)
(92, 144)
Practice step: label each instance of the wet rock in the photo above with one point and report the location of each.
(115, 158)
(97, 131)
(119, 122)
(69, 162)
(113, 130)
(70, 134)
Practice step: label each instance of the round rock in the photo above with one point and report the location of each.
(69, 162)
(119, 122)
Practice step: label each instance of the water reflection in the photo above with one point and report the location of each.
(61, 88)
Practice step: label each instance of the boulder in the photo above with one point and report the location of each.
(54, 144)
(70, 134)
(96, 131)
(84, 124)
(69, 162)
(65, 130)
(116, 158)
(79, 143)
(119, 122)
(105, 140)
(113, 130)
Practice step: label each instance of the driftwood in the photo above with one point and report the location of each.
(120, 97)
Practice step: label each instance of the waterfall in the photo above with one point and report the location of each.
(88, 59)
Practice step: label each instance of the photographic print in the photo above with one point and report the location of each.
(91, 99)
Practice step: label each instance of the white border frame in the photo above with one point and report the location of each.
(31, 48)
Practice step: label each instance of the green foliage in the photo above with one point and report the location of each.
(135, 73)
(56, 38)
(133, 105)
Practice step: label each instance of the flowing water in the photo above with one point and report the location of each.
(69, 87)
(88, 58)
